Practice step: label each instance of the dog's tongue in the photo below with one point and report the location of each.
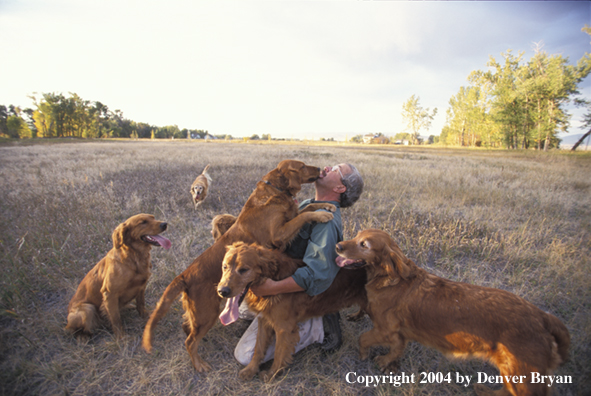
(230, 313)
(165, 243)
(343, 262)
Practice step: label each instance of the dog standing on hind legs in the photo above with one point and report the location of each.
(406, 303)
(200, 187)
(118, 278)
(269, 217)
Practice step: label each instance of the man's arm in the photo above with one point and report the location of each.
(270, 287)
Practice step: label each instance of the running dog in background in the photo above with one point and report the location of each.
(119, 277)
(200, 187)
(406, 303)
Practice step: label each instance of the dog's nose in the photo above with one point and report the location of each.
(339, 248)
(163, 226)
(224, 291)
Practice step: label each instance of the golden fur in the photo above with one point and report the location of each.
(246, 265)
(269, 217)
(461, 320)
(118, 278)
(200, 187)
(220, 224)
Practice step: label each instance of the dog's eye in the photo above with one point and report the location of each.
(224, 267)
(242, 271)
(363, 244)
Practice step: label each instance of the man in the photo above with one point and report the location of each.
(340, 185)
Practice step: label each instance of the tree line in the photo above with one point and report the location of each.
(57, 115)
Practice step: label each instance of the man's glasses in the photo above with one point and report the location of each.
(336, 168)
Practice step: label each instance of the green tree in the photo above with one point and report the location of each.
(416, 117)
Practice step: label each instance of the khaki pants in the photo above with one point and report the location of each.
(311, 331)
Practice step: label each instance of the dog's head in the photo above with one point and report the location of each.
(220, 224)
(240, 269)
(295, 173)
(141, 229)
(375, 249)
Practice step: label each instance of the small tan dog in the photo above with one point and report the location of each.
(200, 187)
(119, 277)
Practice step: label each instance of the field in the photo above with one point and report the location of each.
(519, 221)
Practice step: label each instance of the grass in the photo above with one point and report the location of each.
(519, 221)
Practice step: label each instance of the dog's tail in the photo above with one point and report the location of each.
(170, 294)
(83, 318)
(205, 170)
(561, 337)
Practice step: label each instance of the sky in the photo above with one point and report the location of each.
(291, 69)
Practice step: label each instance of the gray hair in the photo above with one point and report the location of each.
(354, 183)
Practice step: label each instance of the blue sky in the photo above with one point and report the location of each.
(292, 69)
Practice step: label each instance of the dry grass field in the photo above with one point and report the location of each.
(519, 221)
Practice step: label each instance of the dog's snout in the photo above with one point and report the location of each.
(224, 291)
(163, 226)
(339, 248)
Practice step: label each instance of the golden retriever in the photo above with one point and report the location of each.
(459, 319)
(119, 277)
(246, 265)
(269, 217)
(200, 187)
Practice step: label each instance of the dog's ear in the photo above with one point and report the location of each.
(121, 235)
(294, 185)
(291, 175)
(398, 265)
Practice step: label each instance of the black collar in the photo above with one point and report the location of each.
(275, 187)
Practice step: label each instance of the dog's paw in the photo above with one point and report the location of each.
(363, 353)
(482, 390)
(330, 208)
(247, 374)
(385, 364)
(265, 376)
(323, 217)
(357, 316)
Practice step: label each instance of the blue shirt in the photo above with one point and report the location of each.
(315, 244)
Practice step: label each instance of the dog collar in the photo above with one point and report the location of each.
(280, 189)
(275, 187)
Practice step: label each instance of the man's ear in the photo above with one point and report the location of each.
(340, 189)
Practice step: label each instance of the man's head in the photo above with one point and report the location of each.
(341, 182)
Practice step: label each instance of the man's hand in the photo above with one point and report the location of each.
(271, 288)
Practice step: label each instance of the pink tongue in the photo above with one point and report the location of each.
(165, 243)
(230, 313)
(343, 262)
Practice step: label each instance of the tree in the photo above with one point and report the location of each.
(583, 68)
(416, 117)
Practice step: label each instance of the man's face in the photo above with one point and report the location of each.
(332, 176)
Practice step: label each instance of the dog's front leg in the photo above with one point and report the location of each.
(111, 306)
(140, 303)
(315, 206)
(264, 335)
(282, 235)
(287, 338)
(387, 337)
